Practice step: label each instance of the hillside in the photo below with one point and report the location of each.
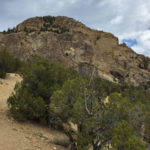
(73, 44)
(23, 136)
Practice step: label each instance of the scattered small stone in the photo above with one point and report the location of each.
(54, 148)
(14, 129)
(41, 136)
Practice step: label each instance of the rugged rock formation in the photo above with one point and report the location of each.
(73, 44)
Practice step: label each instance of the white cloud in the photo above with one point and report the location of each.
(143, 41)
(116, 20)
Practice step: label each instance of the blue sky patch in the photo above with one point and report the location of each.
(130, 42)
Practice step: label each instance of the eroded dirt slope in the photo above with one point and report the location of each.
(23, 136)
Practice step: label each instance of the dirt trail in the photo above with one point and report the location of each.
(22, 136)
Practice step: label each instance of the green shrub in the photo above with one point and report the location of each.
(8, 64)
(124, 138)
(25, 105)
(147, 127)
(32, 97)
(2, 74)
(49, 19)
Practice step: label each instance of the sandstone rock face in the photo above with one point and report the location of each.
(73, 44)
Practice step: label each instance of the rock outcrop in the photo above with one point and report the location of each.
(73, 44)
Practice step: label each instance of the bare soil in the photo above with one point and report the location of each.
(23, 136)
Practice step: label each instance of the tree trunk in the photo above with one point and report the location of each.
(80, 128)
(95, 147)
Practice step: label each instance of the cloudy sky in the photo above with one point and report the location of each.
(127, 19)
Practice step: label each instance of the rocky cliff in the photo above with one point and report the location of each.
(71, 43)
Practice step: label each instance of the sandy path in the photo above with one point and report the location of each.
(22, 136)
